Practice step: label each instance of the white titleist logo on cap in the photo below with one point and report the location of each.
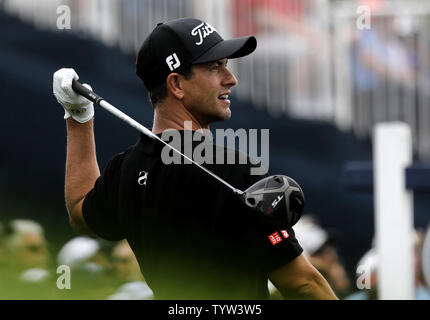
(202, 30)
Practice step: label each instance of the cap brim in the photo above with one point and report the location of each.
(234, 48)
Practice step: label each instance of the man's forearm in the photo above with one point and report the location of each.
(320, 289)
(316, 289)
(299, 279)
(82, 169)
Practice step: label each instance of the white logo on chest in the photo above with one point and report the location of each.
(142, 178)
(202, 31)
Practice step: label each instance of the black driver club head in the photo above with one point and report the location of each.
(278, 197)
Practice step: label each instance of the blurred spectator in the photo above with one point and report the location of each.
(26, 244)
(381, 54)
(26, 250)
(126, 268)
(322, 253)
(84, 254)
(292, 48)
(383, 66)
(273, 17)
(370, 260)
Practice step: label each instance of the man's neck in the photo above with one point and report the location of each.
(173, 116)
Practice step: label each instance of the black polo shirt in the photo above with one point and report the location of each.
(192, 236)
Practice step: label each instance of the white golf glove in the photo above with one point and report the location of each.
(75, 105)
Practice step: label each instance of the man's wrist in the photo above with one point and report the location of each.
(72, 123)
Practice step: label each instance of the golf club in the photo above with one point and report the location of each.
(278, 196)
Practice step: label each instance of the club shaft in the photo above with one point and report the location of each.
(107, 106)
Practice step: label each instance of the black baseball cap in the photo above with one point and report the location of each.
(176, 45)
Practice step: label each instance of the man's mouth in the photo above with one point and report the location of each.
(224, 96)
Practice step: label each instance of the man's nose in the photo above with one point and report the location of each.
(229, 79)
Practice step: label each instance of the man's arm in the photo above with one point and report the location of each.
(298, 279)
(82, 170)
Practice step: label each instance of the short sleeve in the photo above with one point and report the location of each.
(277, 244)
(100, 206)
(269, 242)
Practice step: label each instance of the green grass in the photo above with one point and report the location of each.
(83, 287)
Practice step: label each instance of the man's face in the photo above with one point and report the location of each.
(206, 92)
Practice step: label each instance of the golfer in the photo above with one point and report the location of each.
(192, 236)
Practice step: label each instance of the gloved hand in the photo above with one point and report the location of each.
(75, 105)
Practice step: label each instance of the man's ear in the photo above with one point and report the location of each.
(174, 85)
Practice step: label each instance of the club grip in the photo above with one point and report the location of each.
(87, 93)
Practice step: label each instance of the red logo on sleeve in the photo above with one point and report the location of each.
(275, 238)
(285, 234)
